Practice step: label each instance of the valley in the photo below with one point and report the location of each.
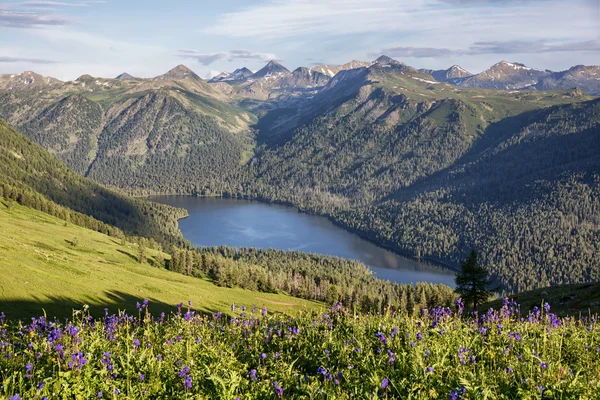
(315, 199)
(428, 168)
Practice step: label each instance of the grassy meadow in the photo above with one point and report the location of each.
(42, 269)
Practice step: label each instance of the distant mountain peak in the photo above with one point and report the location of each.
(26, 80)
(273, 68)
(331, 70)
(514, 65)
(460, 69)
(383, 59)
(125, 76)
(180, 72)
(505, 75)
(240, 74)
(84, 77)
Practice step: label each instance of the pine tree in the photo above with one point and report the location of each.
(471, 282)
(141, 252)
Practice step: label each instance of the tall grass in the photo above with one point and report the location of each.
(259, 355)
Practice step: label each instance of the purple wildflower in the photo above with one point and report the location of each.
(278, 389)
(384, 383)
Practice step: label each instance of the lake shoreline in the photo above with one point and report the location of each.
(433, 264)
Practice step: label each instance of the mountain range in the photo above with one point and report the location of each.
(428, 162)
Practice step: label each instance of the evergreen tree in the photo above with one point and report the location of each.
(141, 252)
(471, 282)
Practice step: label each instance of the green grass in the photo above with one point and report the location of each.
(576, 299)
(41, 269)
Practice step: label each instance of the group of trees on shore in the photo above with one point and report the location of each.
(308, 276)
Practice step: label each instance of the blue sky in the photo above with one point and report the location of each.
(67, 38)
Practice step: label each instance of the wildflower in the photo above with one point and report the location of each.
(427, 353)
(429, 369)
(263, 356)
(547, 307)
(142, 377)
(252, 374)
(15, 397)
(184, 371)
(40, 386)
(381, 337)
(278, 389)
(188, 382)
(384, 383)
(100, 395)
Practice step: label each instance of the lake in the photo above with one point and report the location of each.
(242, 223)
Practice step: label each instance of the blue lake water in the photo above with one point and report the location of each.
(243, 223)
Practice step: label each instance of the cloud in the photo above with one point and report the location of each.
(531, 47)
(494, 47)
(44, 4)
(4, 59)
(13, 19)
(209, 58)
(431, 23)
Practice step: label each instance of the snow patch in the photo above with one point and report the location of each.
(424, 80)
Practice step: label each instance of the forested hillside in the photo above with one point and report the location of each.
(35, 178)
(427, 168)
(433, 174)
(171, 134)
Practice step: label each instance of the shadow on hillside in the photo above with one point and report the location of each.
(62, 307)
(505, 174)
(148, 259)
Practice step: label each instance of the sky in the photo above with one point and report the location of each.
(67, 38)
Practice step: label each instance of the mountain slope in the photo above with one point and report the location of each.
(26, 81)
(454, 75)
(43, 268)
(82, 121)
(180, 72)
(433, 170)
(156, 142)
(331, 70)
(124, 76)
(29, 171)
(303, 79)
(586, 78)
(272, 70)
(505, 76)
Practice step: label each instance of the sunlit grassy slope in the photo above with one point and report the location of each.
(39, 268)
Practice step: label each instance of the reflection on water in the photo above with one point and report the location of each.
(242, 223)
